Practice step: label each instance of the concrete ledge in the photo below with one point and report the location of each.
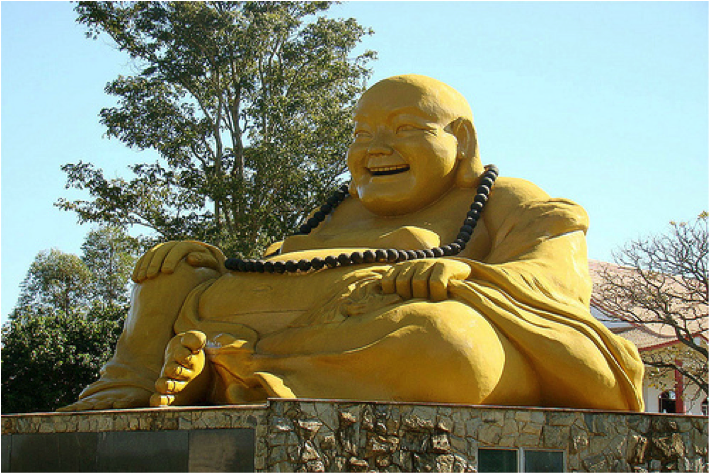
(350, 436)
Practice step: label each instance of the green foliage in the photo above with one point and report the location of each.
(48, 359)
(65, 326)
(248, 106)
(55, 280)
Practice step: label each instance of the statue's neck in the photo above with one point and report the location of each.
(352, 225)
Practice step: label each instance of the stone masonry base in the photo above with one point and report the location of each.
(348, 436)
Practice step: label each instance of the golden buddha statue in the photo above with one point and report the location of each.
(384, 295)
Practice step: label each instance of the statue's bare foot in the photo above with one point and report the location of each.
(111, 398)
(183, 380)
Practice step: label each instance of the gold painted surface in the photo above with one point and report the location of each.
(506, 322)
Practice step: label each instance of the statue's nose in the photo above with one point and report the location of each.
(379, 145)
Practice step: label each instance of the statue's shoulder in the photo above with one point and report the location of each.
(507, 198)
(513, 192)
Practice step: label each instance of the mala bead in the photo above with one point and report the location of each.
(344, 259)
(369, 256)
(486, 181)
(474, 214)
(464, 236)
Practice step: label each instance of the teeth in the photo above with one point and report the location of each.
(389, 168)
(386, 170)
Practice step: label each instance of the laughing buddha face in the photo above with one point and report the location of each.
(410, 136)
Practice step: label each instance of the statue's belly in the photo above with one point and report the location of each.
(268, 302)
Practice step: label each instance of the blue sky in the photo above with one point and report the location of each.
(604, 103)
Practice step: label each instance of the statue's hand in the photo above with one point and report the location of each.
(428, 278)
(164, 258)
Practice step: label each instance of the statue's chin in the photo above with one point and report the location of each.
(382, 206)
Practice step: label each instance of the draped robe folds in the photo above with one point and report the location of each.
(522, 314)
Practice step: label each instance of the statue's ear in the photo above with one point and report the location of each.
(469, 166)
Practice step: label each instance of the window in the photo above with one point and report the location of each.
(519, 460)
(666, 402)
(704, 407)
(497, 460)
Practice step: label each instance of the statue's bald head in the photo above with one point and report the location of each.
(427, 93)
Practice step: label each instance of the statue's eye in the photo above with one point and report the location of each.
(407, 128)
(361, 134)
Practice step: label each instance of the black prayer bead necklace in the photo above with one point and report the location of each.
(371, 256)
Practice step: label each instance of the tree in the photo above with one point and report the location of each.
(110, 254)
(55, 281)
(663, 281)
(247, 105)
(65, 326)
(48, 358)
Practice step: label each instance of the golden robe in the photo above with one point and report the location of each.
(518, 331)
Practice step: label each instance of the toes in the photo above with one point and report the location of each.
(168, 386)
(194, 340)
(173, 370)
(160, 400)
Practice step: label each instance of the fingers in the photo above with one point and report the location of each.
(442, 274)
(408, 279)
(197, 255)
(152, 258)
(159, 254)
(439, 283)
(424, 278)
(164, 258)
(200, 260)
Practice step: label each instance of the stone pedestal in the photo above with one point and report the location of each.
(346, 436)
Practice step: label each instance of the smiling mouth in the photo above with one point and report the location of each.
(388, 170)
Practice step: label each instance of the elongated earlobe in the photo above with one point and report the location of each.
(353, 191)
(469, 164)
(466, 177)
